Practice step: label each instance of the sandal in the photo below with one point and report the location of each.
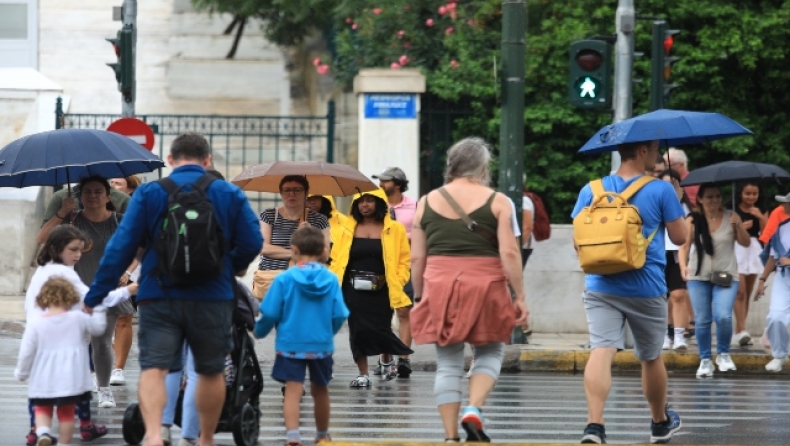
(92, 431)
(361, 381)
(326, 439)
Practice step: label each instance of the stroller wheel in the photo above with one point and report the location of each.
(133, 427)
(246, 426)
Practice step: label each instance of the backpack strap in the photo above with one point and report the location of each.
(635, 186)
(168, 185)
(204, 182)
(596, 187)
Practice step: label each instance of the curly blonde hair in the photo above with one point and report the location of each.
(57, 292)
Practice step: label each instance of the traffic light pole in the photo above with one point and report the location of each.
(130, 19)
(511, 128)
(625, 19)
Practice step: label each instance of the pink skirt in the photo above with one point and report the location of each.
(464, 299)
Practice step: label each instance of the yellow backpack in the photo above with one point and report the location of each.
(608, 234)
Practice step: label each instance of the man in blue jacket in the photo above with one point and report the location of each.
(201, 314)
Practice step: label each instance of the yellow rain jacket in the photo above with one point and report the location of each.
(336, 222)
(397, 254)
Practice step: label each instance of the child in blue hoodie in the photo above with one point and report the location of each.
(305, 303)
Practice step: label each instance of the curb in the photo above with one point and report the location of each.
(573, 361)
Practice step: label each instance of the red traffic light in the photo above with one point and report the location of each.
(668, 42)
(589, 60)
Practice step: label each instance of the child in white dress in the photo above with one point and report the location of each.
(54, 360)
(61, 251)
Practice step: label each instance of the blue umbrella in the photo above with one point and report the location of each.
(669, 127)
(63, 156)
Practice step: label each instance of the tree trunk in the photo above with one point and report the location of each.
(232, 25)
(239, 31)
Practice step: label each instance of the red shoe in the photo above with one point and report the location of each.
(31, 438)
(92, 431)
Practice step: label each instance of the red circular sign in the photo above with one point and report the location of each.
(135, 129)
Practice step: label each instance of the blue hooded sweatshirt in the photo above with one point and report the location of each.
(306, 304)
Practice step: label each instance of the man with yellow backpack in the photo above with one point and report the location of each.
(615, 220)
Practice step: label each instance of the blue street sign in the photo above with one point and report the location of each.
(390, 106)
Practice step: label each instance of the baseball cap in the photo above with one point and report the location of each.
(783, 198)
(391, 173)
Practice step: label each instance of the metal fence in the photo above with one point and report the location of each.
(237, 142)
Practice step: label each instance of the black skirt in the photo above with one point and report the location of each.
(370, 315)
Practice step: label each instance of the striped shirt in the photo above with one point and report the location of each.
(282, 229)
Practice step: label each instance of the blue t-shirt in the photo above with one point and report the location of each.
(658, 204)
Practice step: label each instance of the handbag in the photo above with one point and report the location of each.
(472, 225)
(261, 281)
(721, 278)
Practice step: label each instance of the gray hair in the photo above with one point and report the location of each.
(676, 156)
(469, 158)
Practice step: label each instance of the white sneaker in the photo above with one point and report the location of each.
(724, 361)
(743, 338)
(776, 364)
(680, 343)
(705, 369)
(95, 383)
(106, 400)
(117, 378)
(166, 439)
(667, 342)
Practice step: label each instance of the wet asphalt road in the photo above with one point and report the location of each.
(523, 408)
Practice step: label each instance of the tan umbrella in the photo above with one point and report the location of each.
(324, 178)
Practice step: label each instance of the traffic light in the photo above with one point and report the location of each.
(124, 67)
(661, 65)
(590, 79)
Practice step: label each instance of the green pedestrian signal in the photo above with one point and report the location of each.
(589, 80)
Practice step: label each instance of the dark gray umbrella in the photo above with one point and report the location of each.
(733, 171)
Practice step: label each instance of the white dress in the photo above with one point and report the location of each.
(53, 356)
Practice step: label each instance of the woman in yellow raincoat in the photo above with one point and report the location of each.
(371, 258)
(325, 205)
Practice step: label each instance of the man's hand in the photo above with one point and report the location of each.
(760, 291)
(522, 312)
(69, 204)
(132, 288)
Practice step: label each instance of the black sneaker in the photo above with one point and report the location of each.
(404, 368)
(594, 433)
(662, 432)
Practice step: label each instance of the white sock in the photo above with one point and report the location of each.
(679, 332)
(42, 430)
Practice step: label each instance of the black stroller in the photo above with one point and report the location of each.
(240, 413)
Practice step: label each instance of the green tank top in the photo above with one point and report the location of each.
(451, 237)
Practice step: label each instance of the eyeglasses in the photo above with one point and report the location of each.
(292, 191)
(712, 197)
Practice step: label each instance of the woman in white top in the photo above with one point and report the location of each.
(712, 274)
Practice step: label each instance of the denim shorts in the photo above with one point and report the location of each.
(292, 369)
(164, 325)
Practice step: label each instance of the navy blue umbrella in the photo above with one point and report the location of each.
(669, 127)
(63, 156)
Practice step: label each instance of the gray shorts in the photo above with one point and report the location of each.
(166, 323)
(647, 317)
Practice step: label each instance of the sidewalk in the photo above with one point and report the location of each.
(546, 352)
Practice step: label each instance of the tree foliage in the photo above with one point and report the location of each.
(732, 61)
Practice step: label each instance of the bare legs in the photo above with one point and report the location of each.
(741, 308)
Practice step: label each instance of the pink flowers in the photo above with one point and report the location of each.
(322, 69)
(450, 8)
(442, 10)
(395, 66)
(354, 26)
(377, 11)
(316, 61)
(401, 33)
(403, 60)
(407, 44)
(349, 20)
(454, 64)
(429, 23)
(449, 30)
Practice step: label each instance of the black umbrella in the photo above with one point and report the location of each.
(732, 171)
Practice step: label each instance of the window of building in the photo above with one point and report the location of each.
(13, 21)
